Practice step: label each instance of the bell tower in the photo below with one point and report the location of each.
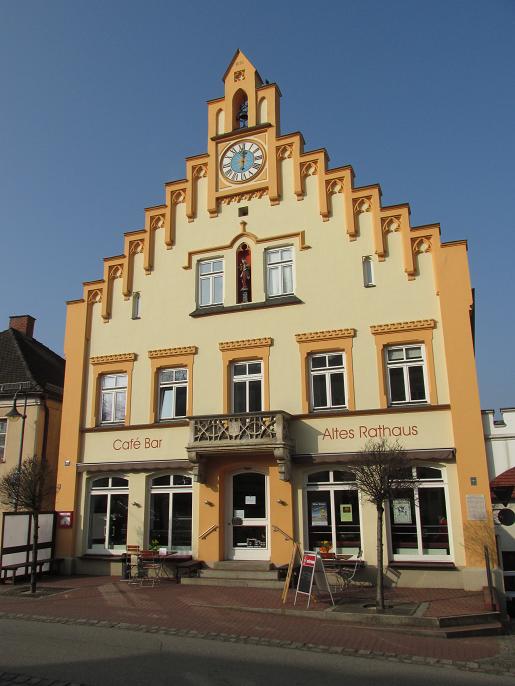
(242, 130)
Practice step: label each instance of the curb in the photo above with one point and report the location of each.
(492, 667)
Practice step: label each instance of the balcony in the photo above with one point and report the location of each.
(240, 433)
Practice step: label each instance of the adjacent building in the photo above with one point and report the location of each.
(269, 318)
(31, 390)
(500, 452)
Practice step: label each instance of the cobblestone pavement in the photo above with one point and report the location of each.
(200, 612)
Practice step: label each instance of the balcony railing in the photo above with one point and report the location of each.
(237, 429)
(262, 431)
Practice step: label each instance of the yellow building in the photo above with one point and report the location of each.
(268, 320)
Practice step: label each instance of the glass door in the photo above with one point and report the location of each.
(247, 522)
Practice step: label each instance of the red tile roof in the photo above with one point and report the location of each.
(507, 478)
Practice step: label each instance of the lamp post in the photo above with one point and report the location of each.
(13, 415)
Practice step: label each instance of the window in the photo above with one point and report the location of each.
(247, 386)
(136, 301)
(279, 271)
(327, 373)
(333, 516)
(113, 398)
(418, 518)
(3, 432)
(170, 512)
(211, 282)
(368, 272)
(108, 506)
(173, 390)
(406, 374)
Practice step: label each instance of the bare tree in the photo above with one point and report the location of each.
(28, 487)
(382, 470)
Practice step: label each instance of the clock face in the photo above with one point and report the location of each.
(242, 161)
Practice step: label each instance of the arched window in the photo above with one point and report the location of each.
(108, 506)
(170, 512)
(243, 274)
(333, 512)
(240, 110)
(419, 518)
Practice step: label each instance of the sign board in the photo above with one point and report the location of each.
(476, 508)
(312, 571)
(319, 515)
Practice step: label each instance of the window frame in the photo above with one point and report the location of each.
(246, 379)
(210, 277)
(327, 372)
(136, 305)
(281, 265)
(418, 485)
(170, 490)
(405, 365)
(108, 491)
(114, 391)
(332, 486)
(369, 280)
(173, 385)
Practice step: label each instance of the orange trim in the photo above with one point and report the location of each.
(116, 366)
(158, 362)
(257, 352)
(402, 336)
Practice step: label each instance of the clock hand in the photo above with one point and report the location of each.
(242, 159)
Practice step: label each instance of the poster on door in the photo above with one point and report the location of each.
(319, 515)
(346, 512)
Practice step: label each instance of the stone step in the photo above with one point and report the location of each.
(246, 583)
(243, 565)
(489, 629)
(239, 574)
(467, 620)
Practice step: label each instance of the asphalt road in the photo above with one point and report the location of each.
(100, 656)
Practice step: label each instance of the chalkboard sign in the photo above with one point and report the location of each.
(312, 569)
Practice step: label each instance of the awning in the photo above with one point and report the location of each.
(133, 466)
(431, 455)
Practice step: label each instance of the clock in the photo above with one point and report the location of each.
(242, 161)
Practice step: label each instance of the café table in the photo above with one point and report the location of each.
(162, 564)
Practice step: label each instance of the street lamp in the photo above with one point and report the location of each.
(13, 415)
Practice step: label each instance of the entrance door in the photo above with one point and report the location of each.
(247, 521)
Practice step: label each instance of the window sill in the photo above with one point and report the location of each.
(421, 564)
(279, 301)
(169, 423)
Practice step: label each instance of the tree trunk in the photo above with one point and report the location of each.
(35, 524)
(379, 578)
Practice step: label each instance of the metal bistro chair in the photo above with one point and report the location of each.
(346, 575)
(150, 567)
(133, 564)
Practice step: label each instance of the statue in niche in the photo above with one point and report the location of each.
(244, 275)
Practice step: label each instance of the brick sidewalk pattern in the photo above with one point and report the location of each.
(199, 611)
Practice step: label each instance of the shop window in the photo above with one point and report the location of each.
(406, 374)
(327, 374)
(247, 386)
(279, 272)
(333, 516)
(211, 282)
(418, 518)
(173, 391)
(108, 506)
(170, 512)
(3, 433)
(113, 398)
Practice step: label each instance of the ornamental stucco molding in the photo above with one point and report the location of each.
(247, 343)
(171, 352)
(120, 357)
(324, 335)
(416, 325)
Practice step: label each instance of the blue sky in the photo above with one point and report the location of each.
(102, 101)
